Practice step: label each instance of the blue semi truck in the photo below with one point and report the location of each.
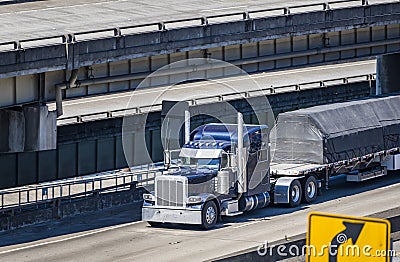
(226, 169)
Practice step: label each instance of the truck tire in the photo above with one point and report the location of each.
(209, 215)
(295, 193)
(310, 190)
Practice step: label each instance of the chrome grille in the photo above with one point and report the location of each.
(171, 191)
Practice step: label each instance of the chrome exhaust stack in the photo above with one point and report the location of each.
(187, 126)
(241, 156)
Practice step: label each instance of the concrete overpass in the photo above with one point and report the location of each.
(79, 56)
(92, 108)
(113, 53)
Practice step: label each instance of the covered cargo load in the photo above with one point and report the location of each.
(331, 133)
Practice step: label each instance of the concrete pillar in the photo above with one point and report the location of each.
(40, 128)
(136, 151)
(30, 128)
(387, 74)
(12, 131)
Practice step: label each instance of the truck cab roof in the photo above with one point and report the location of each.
(224, 133)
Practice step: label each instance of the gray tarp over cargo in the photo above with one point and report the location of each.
(335, 132)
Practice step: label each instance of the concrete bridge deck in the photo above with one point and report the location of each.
(311, 29)
(55, 17)
(151, 96)
(34, 70)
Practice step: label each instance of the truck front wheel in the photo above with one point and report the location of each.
(295, 193)
(209, 215)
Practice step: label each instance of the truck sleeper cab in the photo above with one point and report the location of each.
(209, 180)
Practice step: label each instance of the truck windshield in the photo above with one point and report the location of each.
(201, 162)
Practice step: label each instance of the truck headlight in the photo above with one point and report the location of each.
(194, 200)
(149, 197)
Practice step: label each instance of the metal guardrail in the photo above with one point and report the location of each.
(218, 98)
(35, 195)
(161, 26)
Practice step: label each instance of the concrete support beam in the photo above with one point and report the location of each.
(388, 74)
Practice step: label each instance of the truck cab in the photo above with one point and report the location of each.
(223, 169)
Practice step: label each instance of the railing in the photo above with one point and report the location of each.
(35, 195)
(218, 98)
(179, 23)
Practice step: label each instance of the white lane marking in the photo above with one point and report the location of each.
(69, 238)
(248, 224)
(66, 103)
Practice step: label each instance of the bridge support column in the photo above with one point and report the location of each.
(12, 130)
(387, 74)
(40, 128)
(30, 128)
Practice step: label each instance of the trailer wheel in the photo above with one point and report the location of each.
(310, 190)
(295, 193)
(209, 215)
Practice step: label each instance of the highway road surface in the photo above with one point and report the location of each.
(116, 236)
(58, 17)
(155, 95)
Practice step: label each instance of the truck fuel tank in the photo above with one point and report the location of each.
(254, 202)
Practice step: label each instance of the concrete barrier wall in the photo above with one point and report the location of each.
(60, 209)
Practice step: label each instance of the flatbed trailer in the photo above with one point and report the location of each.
(340, 138)
(389, 160)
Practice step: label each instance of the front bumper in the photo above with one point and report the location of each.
(169, 215)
